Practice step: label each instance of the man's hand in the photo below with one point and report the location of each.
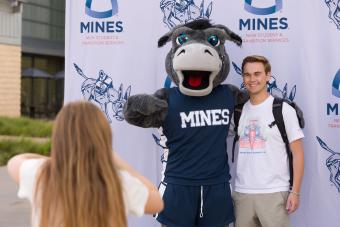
(293, 202)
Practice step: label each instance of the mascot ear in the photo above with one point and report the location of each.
(164, 39)
(230, 35)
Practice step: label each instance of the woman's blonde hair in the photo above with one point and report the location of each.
(79, 186)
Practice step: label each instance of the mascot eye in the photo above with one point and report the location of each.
(182, 38)
(213, 40)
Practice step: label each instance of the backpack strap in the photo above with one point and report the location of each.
(237, 116)
(278, 116)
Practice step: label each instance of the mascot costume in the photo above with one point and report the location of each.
(194, 118)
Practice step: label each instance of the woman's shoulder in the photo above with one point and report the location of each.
(28, 174)
(31, 167)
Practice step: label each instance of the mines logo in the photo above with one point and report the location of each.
(101, 14)
(336, 85)
(265, 24)
(101, 25)
(332, 107)
(262, 11)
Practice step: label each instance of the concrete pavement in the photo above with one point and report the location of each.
(14, 212)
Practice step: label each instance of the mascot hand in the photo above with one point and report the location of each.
(145, 110)
(241, 96)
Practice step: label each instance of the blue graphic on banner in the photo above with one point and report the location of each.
(101, 91)
(167, 83)
(261, 22)
(161, 142)
(103, 14)
(332, 163)
(262, 11)
(272, 87)
(336, 85)
(181, 11)
(334, 11)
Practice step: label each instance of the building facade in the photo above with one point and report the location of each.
(31, 57)
(10, 57)
(43, 25)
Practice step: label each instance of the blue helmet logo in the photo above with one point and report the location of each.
(103, 14)
(336, 85)
(262, 11)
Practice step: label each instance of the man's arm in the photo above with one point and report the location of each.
(298, 168)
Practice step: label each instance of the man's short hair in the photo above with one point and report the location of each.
(257, 58)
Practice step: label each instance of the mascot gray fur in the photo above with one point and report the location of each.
(193, 55)
(195, 118)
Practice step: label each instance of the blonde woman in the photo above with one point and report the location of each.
(82, 183)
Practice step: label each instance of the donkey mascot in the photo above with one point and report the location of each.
(194, 118)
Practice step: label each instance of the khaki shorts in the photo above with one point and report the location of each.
(261, 210)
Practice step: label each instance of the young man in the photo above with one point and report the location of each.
(262, 196)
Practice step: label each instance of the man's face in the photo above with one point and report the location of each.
(255, 78)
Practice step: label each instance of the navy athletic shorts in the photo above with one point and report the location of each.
(201, 206)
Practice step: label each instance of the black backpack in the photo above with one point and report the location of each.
(278, 120)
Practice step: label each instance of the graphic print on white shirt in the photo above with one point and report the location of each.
(252, 139)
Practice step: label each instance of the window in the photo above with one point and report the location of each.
(42, 85)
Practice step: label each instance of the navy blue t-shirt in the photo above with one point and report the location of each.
(196, 130)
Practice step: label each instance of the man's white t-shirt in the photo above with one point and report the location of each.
(262, 165)
(135, 194)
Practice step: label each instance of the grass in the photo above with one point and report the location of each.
(25, 127)
(9, 148)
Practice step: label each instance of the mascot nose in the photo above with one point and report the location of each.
(196, 49)
(197, 56)
(208, 52)
(181, 52)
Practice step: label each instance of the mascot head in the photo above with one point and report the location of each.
(197, 61)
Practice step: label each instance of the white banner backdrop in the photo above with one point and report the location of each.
(111, 49)
(111, 55)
